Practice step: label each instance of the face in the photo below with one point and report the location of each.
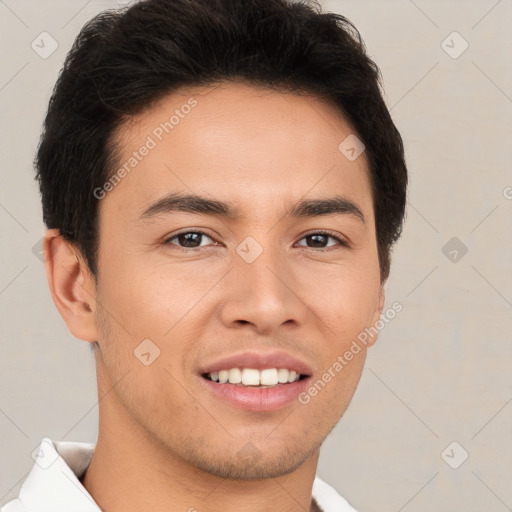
(256, 283)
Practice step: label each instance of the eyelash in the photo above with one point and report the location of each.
(341, 242)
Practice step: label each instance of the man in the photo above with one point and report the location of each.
(222, 184)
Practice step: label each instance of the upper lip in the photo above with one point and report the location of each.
(258, 361)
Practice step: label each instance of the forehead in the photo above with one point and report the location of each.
(237, 142)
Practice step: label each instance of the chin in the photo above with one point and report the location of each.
(252, 464)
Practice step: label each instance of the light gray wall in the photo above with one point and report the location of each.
(441, 370)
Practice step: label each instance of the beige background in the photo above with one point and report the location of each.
(441, 370)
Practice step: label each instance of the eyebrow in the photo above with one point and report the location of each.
(192, 203)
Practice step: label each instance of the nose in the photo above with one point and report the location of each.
(264, 293)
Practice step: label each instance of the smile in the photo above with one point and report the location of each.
(267, 377)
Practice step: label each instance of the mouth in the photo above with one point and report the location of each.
(255, 378)
(257, 381)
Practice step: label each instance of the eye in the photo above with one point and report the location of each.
(320, 239)
(188, 239)
(194, 239)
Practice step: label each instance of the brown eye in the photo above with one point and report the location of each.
(188, 239)
(320, 240)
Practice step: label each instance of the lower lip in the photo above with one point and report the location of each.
(257, 399)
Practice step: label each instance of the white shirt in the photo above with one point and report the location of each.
(53, 484)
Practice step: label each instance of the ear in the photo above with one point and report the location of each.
(379, 306)
(71, 284)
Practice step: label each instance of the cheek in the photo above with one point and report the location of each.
(346, 302)
(345, 299)
(136, 311)
(162, 303)
(329, 395)
(150, 300)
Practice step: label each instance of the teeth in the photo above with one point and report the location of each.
(282, 375)
(292, 376)
(235, 376)
(268, 377)
(250, 377)
(253, 377)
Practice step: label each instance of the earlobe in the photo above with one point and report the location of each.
(71, 284)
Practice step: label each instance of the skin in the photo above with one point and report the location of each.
(164, 442)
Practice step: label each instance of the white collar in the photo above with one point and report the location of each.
(53, 484)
